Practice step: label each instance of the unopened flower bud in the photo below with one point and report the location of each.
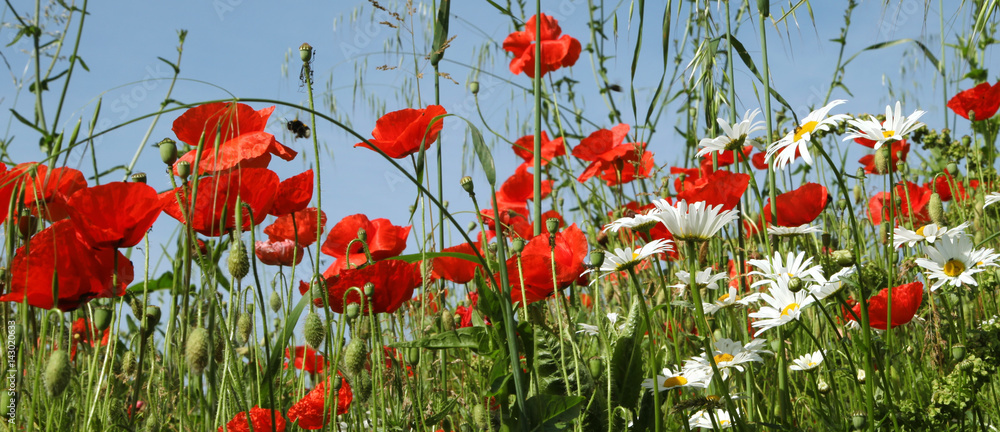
(314, 330)
(841, 204)
(244, 326)
(823, 386)
(479, 417)
(412, 356)
(935, 208)
(355, 355)
(183, 169)
(882, 159)
(139, 177)
(843, 257)
(102, 317)
(861, 376)
(902, 168)
(58, 373)
(168, 151)
(966, 140)
(859, 193)
(952, 168)
(795, 284)
(596, 366)
(474, 87)
(305, 52)
(447, 320)
(239, 261)
(275, 302)
(153, 315)
(196, 351)
(467, 184)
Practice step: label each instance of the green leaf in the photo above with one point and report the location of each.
(165, 281)
(440, 415)
(412, 258)
(627, 360)
(927, 52)
(485, 156)
(552, 413)
(764, 7)
(278, 345)
(474, 338)
(176, 69)
(441, 31)
(29, 124)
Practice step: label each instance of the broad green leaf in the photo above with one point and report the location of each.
(474, 338)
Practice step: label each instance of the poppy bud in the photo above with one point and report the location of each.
(467, 184)
(902, 168)
(316, 291)
(362, 235)
(474, 87)
(860, 173)
(239, 261)
(883, 232)
(479, 417)
(27, 225)
(841, 204)
(314, 330)
(363, 386)
(595, 366)
(275, 302)
(952, 168)
(139, 178)
(354, 356)
(305, 52)
(57, 373)
(369, 289)
(128, 363)
(596, 258)
(447, 320)
(470, 227)
(517, 245)
(244, 325)
(858, 193)
(361, 328)
(152, 315)
(168, 151)
(552, 225)
(183, 169)
(843, 257)
(966, 140)
(859, 420)
(882, 159)
(196, 350)
(936, 209)
(413, 356)
(352, 310)
(102, 318)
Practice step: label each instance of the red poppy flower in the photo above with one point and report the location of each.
(607, 153)
(687, 177)
(514, 220)
(945, 185)
(718, 188)
(242, 141)
(906, 300)
(280, 252)
(400, 133)
(457, 270)
(912, 208)
(759, 160)
(536, 264)
(306, 359)
(982, 100)
(114, 215)
(799, 206)
(214, 212)
(259, 417)
(520, 187)
(293, 194)
(897, 150)
(557, 51)
(524, 148)
(82, 272)
(394, 281)
(431, 297)
(385, 240)
(85, 332)
(45, 191)
(734, 275)
(309, 411)
(725, 159)
(630, 170)
(299, 226)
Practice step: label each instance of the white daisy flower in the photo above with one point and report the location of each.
(793, 266)
(693, 222)
(728, 299)
(624, 259)
(894, 128)
(832, 285)
(798, 139)
(928, 233)
(991, 198)
(808, 361)
(639, 222)
(733, 136)
(706, 278)
(783, 306)
(681, 378)
(781, 231)
(953, 261)
(729, 354)
(702, 419)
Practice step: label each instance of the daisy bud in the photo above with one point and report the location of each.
(305, 52)
(244, 325)
(952, 168)
(936, 209)
(275, 302)
(352, 310)
(355, 356)
(447, 320)
(861, 376)
(474, 87)
(552, 225)
(314, 330)
(57, 373)
(139, 178)
(882, 159)
(823, 386)
(102, 318)
(957, 352)
(859, 420)
(517, 245)
(843, 257)
(239, 261)
(168, 151)
(795, 284)
(596, 258)
(413, 356)
(183, 169)
(196, 350)
(369, 289)
(362, 235)
(467, 184)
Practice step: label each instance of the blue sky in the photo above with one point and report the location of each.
(249, 49)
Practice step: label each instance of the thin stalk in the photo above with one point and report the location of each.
(537, 201)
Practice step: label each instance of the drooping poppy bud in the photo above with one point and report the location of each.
(244, 325)
(239, 261)
(58, 372)
(355, 356)
(196, 350)
(935, 208)
(314, 330)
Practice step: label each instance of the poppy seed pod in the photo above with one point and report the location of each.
(859, 420)
(275, 302)
(474, 87)
(355, 356)
(952, 168)
(168, 151)
(596, 258)
(517, 245)
(305, 52)
(369, 289)
(957, 352)
(244, 325)
(139, 177)
(552, 225)
(57, 373)
(314, 330)
(352, 310)
(239, 261)
(467, 184)
(183, 169)
(935, 208)
(153, 315)
(843, 257)
(196, 350)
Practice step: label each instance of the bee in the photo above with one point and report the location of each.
(299, 129)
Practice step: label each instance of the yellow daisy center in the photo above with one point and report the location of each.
(724, 298)
(790, 308)
(723, 422)
(953, 268)
(887, 134)
(804, 129)
(675, 381)
(724, 357)
(811, 364)
(920, 231)
(635, 255)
